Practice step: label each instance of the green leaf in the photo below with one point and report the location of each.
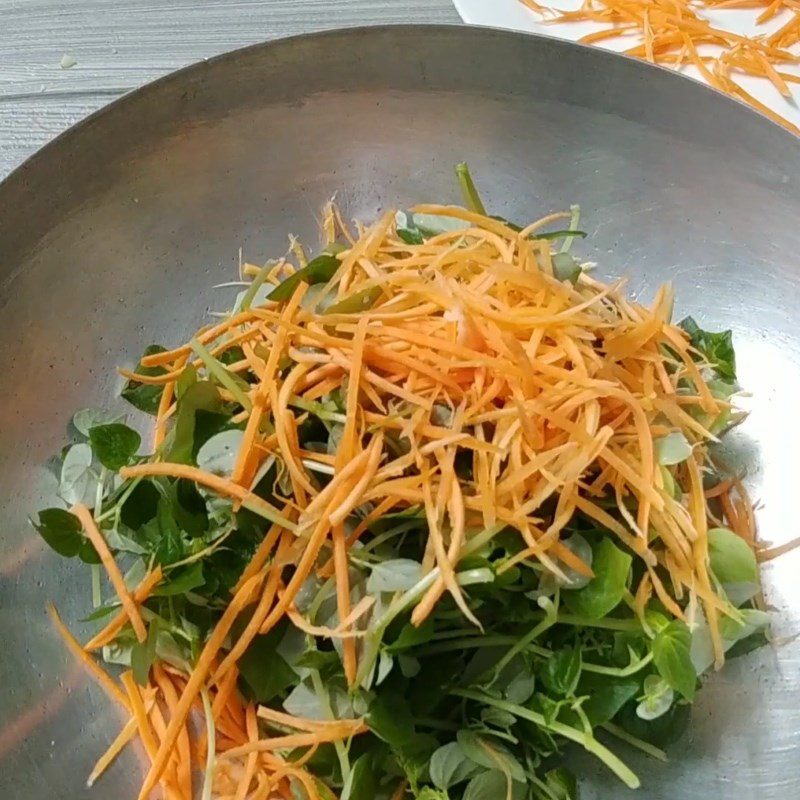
(416, 228)
(144, 396)
(219, 453)
(603, 593)
(102, 612)
(561, 671)
(412, 636)
(363, 781)
(164, 534)
(674, 448)
(657, 700)
(566, 267)
(56, 527)
(450, 766)
(77, 482)
(751, 621)
(410, 235)
(143, 655)
(716, 348)
(263, 670)
(606, 695)
(672, 657)
(88, 418)
(550, 235)
(360, 301)
(490, 753)
(562, 784)
(61, 530)
(200, 396)
(324, 661)
(182, 581)
(319, 270)
(141, 505)
(493, 785)
(394, 575)
(186, 379)
(389, 719)
(114, 445)
(660, 732)
(429, 793)
(731, 558)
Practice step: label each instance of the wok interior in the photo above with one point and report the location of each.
(113, 237)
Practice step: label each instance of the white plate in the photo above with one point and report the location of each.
(512, 14)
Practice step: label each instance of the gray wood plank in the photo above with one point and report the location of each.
(121, 44)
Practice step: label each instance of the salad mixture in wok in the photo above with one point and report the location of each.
(417, 518)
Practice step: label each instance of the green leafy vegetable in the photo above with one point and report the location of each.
(115, 444)
(145, 396)
(732, 559)
(363, 781)
(200, 396)
(476, 698)
(604, 592)
(562, 671)
(490, 753)
(566, 267)
(63, 533)
(674, 448)
(319, 270)
(716, 348)
(263, 670)
(672, 657)
(88, 418)
(143, 655)
(450, 766)
(78, 481)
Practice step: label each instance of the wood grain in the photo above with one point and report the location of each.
(121, 44)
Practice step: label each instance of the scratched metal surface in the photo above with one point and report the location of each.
(121, 44)
(106, 237)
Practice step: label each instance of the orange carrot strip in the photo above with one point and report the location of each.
(115, 576)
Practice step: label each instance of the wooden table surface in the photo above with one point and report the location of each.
(118, 45)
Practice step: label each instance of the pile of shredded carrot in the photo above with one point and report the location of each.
(467, 346)
(675, 33)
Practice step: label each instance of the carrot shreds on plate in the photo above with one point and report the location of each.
(438, 455)
(675, 32)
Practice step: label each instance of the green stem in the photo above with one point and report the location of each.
(268, 512)
(470, 642)
(97, 594)
(619, 672)
(550, 618)
(375, 635)
(112, 510)
(609, 623)
(256, 284)
(634, 741)
(573, 226)
(218, 371)
(325, 702)
(589, 743)
(472, 200)
(317, 411)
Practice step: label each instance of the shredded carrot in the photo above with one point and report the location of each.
(115, 576)
(140, 594)
(668, 32)
(475, 391)
(223, 486)
(100, 675)
(195, 682)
